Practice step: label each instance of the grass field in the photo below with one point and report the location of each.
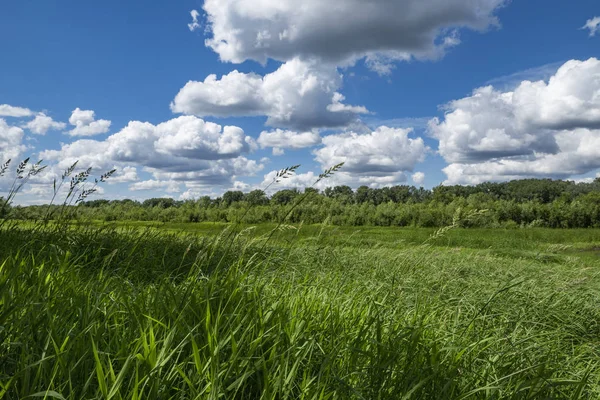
(207, 311)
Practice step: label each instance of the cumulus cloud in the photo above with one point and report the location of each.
(383, 152)
(281, 139)
(192, 137)
(303, 93)
(40, 191)
(11, 148)
(11, 138)
(538, 129)
(17, 112)
(338, 106)
(299, 95)
(579, 154)
(43, 123)
(301, 181)
(485, 125)
(418, 178)
(218, 172)
(85, 123)
(593, 25)
(83, 117)
(194, 25)
(296, 181)
(376, 158)
(284, 29)
(124, 174)
(167, 186)
(588, 179)
(570, 99)
(185, 149)
(304, 180)
(234, 94)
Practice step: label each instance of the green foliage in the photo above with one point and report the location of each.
(159, 202)
(322, 314)
(526, 203)
(231, 197)
(257, 198)
(5, 208)
(284, 197)
(299, 312)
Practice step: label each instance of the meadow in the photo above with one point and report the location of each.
(142, 310)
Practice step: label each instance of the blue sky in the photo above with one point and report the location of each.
(105, 83)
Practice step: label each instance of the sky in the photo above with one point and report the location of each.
(193, 98)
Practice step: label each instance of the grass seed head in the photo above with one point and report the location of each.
(4, 167)
(286, 172)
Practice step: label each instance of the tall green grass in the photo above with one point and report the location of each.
(107, 313)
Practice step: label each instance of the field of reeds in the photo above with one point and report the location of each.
(313, 312)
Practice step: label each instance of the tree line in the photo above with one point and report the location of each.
(518, 203)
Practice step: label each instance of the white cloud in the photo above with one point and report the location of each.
(11, 138)
(384, 64)
(579, 153)
(296, 181)
(302, 181)
(377, 158)
(81, 117)
(214, 172)
(192, 137)
(538, 129)
(43, 123)
(402, 122)
(167, 186)
(191, 194)
(124, 174)
(282, 139)
(418, 178)
(303, 93)
(242, 186)
(17, 112)
(41, 191)
(234, 94)
(194, 25)
(284, 29)
(485, 125)
(588, 179)
(299, 95)
(338, 106)
(570, 99)
(382, 152)
(185, 149)
(593, 25)
(11, 148)
(86, 124)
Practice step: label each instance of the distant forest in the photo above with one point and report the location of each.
(519, 203)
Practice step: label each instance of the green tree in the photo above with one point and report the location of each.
(257, 198)
(232, 196)
(285, 196)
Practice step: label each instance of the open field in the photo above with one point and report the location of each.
(512, 243)
(188, 311)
